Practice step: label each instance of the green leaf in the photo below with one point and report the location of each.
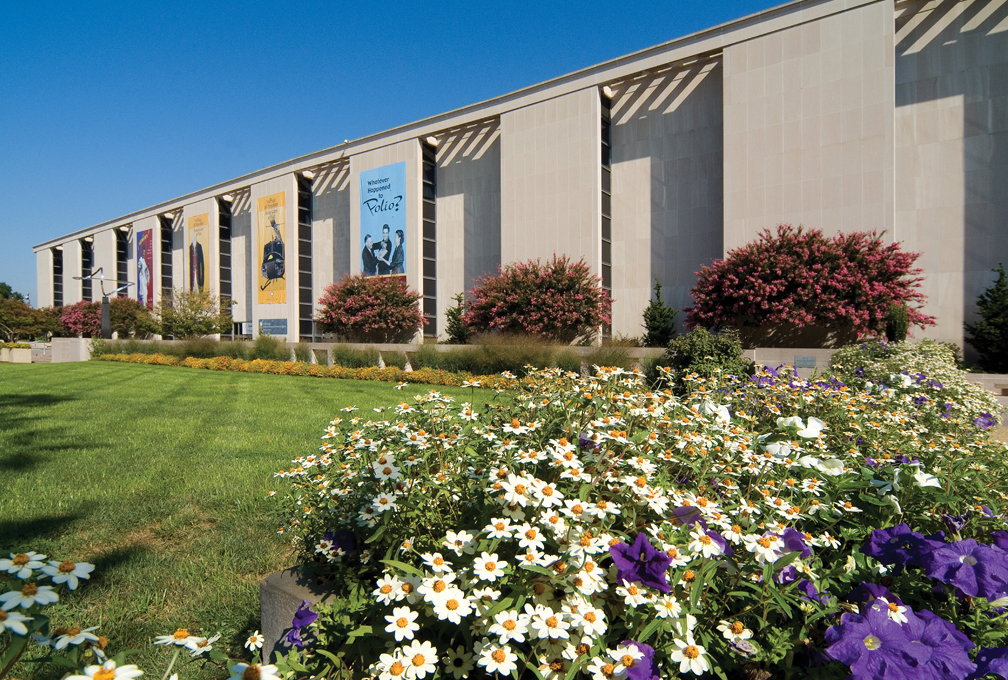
(359, 631)
(650, 630)
(402, 566)
(539, 570)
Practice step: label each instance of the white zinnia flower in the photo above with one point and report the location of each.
(255, 641)
(180, 638)
(497, 659)
(257, 671)
(14, 622)
(690, 656)
(75, 636)
(109, 671)
(402, 623)
(419, 659)
(28, 596)
(22, 564)
(510, 625)
(489, 567)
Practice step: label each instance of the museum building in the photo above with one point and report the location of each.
(839, 115)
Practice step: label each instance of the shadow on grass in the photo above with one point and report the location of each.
(33, 400)
(16, 533)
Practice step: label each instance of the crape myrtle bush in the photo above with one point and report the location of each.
(800, 277)
(370, 309)
(557, 300)
(592, 527)
(82, 318)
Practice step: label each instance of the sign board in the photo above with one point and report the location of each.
(801, 361)
(273, 326)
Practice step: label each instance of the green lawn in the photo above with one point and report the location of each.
(159, 476)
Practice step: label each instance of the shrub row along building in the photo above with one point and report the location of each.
(840, 115)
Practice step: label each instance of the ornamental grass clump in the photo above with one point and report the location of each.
(592, 527)
(557, 300)
(800, 278)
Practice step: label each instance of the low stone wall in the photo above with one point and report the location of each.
(280, 595)
(70, 349)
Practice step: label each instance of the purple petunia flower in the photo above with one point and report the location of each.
(955, 523)
(895, 545)
(788, 574)
(940, 649)
(794, 541)
(304, 616)
(985, 421)
(641, 563)
(873, 645)
(991, 660)
(294, 638)
(644, 668)
(809, 591)
(973, 568)
(1000, 539)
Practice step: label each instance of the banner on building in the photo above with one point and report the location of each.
(199, 251)
(145, 265)
(383, 220)
(271, 211)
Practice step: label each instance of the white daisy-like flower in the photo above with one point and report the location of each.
(180, 638)
(389, 589)
(433, 586)
(437, 563)
(68, 572)
(460, 542)
(201, 645)
(14, 622)
(632, 594)
(489, 567)
(667, 606)
(499, 528)
(627, 656)
(547, 623)
(497, 658)
(109, 671)
(402, 623)
(702, 544)
(529, 537)
(29, 595)
(734, 631)
(604, 668)
(452, 605)
(244, 671)
(22, 564)
(590, 620)
(419, 659)
(255, 641)
(75, 636)
(690, 656)
(391, 666)
(894, 611)
(458, 662)
(510, 625)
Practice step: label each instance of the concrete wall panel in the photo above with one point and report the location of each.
(667, 186)
(808, 134)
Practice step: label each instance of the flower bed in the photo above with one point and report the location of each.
(426, 376)
(595, 528)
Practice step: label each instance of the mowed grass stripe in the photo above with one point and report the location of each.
(159, 476)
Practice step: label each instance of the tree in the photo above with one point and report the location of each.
(18, 321)
(659, 321)
(82, 318)
(802, 278)
(458, 332)
(6, 293)
(990, 336)
(556, 300)
(128, 318)
(370, 309)
(193, 314)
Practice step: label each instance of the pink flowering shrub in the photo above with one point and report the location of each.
(802, 278)
(370, 309)
(82, 318)
(556, 300)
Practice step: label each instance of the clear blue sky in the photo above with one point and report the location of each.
(111, 107)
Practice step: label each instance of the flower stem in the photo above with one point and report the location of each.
(170, 664)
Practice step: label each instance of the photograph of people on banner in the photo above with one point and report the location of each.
(145, 265)
(383, 221)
